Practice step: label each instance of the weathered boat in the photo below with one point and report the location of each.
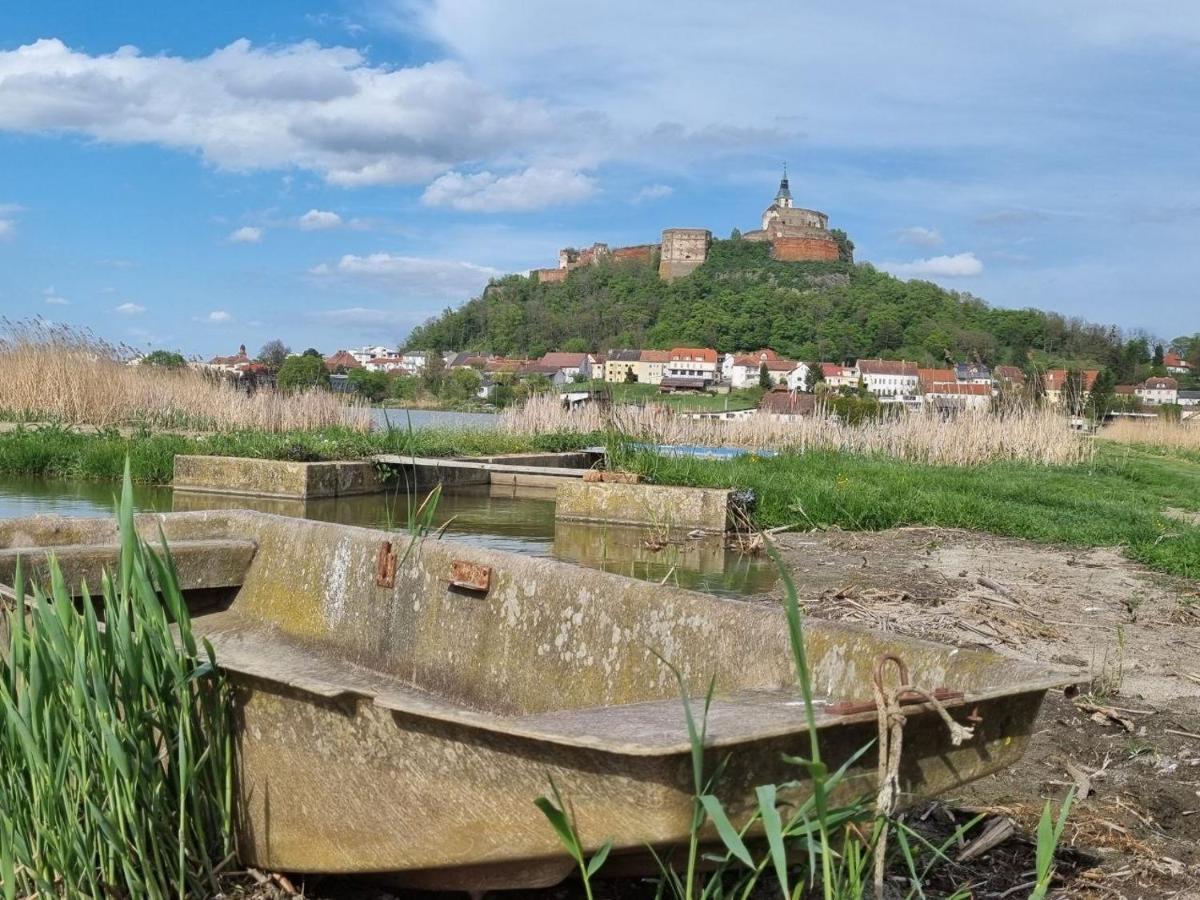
(400, 703)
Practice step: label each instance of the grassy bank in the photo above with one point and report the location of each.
(1116, 499)
(54, 452)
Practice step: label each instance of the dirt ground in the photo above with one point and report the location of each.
(1132, 746)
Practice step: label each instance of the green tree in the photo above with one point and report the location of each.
(630, 376)
(845, 245)
(816, 375)
(374, 386)
(1157, 361)
(312, 351)
(301, 372)
(405, 388)
(764, 376)
(164, 359)
(433, 373)
(1100, 398)
(273, 354)
(461, 387)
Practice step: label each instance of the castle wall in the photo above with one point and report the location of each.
(643, 253)
(683, 251)
(553, 276)
(805, 249)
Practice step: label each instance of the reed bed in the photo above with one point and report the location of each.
(57, 374)
(1159, 432)
(116, 760)
(1025, 433)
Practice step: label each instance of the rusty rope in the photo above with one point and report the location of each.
(891, 739)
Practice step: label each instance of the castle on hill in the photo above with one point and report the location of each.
(794, 233)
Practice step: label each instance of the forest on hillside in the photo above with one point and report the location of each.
(741, 300)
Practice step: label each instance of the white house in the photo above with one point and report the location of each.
(1189, 398)
(1158, 390)
(837, 376)
(572, 364)
(797, 377)
(959, 395)
(362, 354)
(386, 363)
(414, 361)
(693, 362)
(1176, 364)
(889, 378)
(744, 370)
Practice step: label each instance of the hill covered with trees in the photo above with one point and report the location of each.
(741, 300)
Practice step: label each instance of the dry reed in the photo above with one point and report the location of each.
(1028, 434)
(1156, 432)
(57, 374)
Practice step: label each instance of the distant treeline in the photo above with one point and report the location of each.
(741, 300)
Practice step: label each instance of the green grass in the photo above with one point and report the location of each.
(1116, 500)
(54, 452)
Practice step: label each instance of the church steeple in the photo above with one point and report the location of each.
(783, 199)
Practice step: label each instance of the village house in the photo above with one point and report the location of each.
(927, 378)
(1176, 364)
(414, 362)
(695, 363)
(646, 366)
(798, 377)
(887, 378)
(341, 362)
(743, 371)
(572, 364)
(959, 395)
(1055, 382)
(363, 354)
(787, 406)
(838, 376)
(1158, 390)
(1009, 376)
(972, 373)
(1189, 399)
(384, 364)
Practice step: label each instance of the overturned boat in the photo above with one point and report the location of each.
(400, 702)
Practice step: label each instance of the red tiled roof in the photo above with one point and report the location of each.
(930, 376)
(343, 359)
(833, 370)
(774, 364)
(564, 360)
(956, 389)
(694, 354)
(1161, 383)
(1056, 378)
(1175, 361)
(655, 356)
(1010, 373)
(887, 367)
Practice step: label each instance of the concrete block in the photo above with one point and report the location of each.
(670, 508)
(275, 478)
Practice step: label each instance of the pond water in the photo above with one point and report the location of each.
(519, 520)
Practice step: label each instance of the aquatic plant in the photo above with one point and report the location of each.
(116, 775)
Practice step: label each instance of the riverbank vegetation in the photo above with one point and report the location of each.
(1119, 497)
(56, 374)
(1162, 433)
(116, 757)
(61, 452)
(1034, 434)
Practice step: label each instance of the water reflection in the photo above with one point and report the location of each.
(519, 520)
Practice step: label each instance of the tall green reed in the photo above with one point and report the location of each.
(116, 774)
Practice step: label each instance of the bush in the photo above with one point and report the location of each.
(302, 372)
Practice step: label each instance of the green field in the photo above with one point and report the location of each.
(1117, 500)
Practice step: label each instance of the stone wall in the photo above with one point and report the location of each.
(554, 276)
(683, 251)
(805, 249)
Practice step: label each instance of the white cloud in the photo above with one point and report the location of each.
(960, 265)
(7, 228)
(129, 308)
(318, 220)
(324, 110)
(429, 279)
(53, 298)
(247, 234)
(533, 188)
(918, 236)
(653, 192)
(218, 317)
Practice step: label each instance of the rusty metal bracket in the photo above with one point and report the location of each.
(385, 565)
(853, 707)
(470, 576)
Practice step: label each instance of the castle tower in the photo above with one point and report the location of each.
(783, 198)
(683, 251)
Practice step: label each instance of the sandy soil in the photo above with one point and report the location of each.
(1133, 745)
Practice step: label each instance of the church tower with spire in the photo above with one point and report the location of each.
(794, 233)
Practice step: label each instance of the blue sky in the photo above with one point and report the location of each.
(203, 175)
